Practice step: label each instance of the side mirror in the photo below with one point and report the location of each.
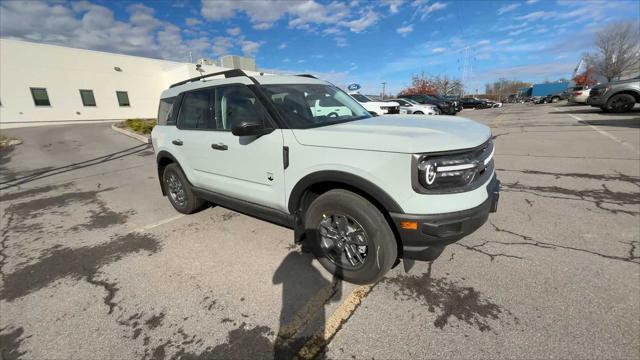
(373, 113)
(250, 128)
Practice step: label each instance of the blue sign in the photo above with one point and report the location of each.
(353, 87)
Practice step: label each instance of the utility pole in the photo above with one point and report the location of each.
(384, 85)
(465, 68)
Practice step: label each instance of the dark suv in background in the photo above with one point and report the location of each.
(446, 107)
(473, 103)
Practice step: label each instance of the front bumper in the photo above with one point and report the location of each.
(596, 101)
(439, 230)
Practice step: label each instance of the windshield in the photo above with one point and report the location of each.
(360, 97)
(305, 106)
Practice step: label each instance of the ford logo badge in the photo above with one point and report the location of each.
(430, 173)
(353, 87)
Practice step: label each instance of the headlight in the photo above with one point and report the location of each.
(455, 171)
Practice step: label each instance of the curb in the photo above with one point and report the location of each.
(138, 137)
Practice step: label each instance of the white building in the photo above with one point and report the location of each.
(47, 84)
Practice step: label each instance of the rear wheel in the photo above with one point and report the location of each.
(350, 237)
(179, 191)
(620, 103)
(418, 113)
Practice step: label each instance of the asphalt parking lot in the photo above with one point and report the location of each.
(95, 264)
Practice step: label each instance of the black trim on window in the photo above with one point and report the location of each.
(86, 95)
(124, 101)
(40, 96)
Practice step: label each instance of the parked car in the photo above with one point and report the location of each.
(538, 99)
(376, 107)
(446, 107)
(473, 103)
(554, 98)
(579, 95)
(492, 104)
(456, 102)
(616, 96)
(360, 191)
(408, 106)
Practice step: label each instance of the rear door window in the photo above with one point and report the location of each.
(164, 111)
(196, 111)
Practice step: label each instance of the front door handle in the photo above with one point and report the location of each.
(177, 142)
(219, 146)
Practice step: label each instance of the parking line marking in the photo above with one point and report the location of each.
(602, 132)
(161, 222)
(496, 122)
(334, 323)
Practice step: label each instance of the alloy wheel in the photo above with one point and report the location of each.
(176, 190)
(343, 241)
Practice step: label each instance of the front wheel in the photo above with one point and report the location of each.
(418, 113)
(350, 237)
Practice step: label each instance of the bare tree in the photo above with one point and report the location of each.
(446, 86)
(618, 51)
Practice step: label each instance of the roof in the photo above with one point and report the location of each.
(237, 77)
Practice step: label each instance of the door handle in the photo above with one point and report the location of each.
(177, 142)
(219, 146)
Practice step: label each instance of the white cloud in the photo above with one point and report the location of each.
(282, 46)
(537, 15)
(532, 1)
(222, 45)
(507, 8)
(192, 21)
(394, 5)
(364, 22)
(438, 50)
(341, 42)
(405, 30)
(424, 8)
(235, 31)
(505, 42)
(263, 14)
(484, 42)
(250, 48)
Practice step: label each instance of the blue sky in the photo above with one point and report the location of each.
(368, 42)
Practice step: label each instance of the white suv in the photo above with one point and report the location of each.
(376, 107)
(360, 191)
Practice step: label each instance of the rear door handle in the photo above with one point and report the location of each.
(219, 146)
(177, 142)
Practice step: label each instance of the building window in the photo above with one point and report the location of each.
(123, 98)
(40, 97)
(87, 98)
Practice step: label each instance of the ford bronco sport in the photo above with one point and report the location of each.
(361, 191)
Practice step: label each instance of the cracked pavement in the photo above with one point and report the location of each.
(94, 262)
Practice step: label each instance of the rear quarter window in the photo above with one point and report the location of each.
(164, 111)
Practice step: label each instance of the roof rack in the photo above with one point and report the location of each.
(307, 75)
(226, 73)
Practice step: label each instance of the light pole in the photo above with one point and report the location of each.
(384, 85)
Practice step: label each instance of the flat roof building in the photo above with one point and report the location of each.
(44, 84)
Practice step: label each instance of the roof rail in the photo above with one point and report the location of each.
(226, 73)
(307, 75)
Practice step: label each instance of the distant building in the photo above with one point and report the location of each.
(47, 84)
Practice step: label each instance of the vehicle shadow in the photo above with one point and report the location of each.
(592, 110)
(12, 180)
(305, 293)
(628, 123)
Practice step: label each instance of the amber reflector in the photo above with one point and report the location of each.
(409, 225)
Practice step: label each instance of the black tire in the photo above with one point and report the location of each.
(555, 99)
(478, 107)
(191, 203)
(620, 103)
(418, 113)
(382, 250)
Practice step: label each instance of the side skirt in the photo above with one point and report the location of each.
(247, 208)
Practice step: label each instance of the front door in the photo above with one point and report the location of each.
(248, 168)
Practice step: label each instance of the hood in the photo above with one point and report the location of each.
(399, 133)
